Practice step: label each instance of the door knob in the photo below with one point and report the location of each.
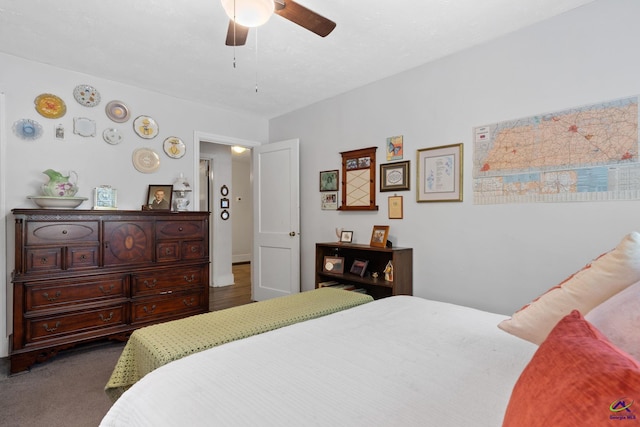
(292, 234)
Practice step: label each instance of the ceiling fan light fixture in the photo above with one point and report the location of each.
(249, 13)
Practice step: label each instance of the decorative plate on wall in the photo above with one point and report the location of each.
(112, 136)
(86, 95)
(117, 111)
(84, 127)
(174, 147)
(145, 127)
(50, 106)
(27, 129)
(146, 160)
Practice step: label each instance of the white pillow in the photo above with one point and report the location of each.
(604, 277)
(618, 318)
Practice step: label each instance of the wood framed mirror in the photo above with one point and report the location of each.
(359, 180)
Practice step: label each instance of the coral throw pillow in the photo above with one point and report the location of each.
(595, 283)
(576, 378)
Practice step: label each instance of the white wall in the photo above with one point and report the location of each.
(495, 257)
(242, 208)
(95, 161)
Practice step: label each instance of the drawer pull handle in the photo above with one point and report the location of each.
(151, 284)
(53, 298)
(167, 251)
(149, 311)
(106, 291)
(108, 318)
(194, 248)
(180, 229)
(189, 280)
(189, 303)
(64, 231)
(44, 260)
(83, 257)
(166, 293)
(48, 329)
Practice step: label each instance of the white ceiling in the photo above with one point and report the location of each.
(177, 47)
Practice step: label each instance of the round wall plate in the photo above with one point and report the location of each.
(86, 95)
(117, 111)
(174, 147)
(112, 136)
(50, 106)
(146, 160)
(145, 127)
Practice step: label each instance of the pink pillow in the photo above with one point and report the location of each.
(618, 318)
(576, 378)
(595, 283)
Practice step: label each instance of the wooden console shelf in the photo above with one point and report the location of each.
(401, 258)
(84, 275)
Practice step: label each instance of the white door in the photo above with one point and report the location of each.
(276, 224)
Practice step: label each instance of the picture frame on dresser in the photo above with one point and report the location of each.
(159, 197)
(379, 236)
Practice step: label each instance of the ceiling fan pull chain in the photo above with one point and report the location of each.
(257, 60)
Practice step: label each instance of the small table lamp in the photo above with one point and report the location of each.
(181, 190)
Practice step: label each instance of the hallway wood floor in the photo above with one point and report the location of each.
(233, 295)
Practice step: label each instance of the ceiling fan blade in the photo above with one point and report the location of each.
(304, 17)
(236, 34)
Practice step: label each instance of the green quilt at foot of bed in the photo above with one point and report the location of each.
(153, 346)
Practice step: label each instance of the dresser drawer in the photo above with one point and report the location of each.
(165, 281)
(180, 229)
(38, 233)
(74, 323)
(168, 251)
(43, 259)
(165, 307)
(60, 293)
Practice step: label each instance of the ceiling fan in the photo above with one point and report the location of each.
(245, 14)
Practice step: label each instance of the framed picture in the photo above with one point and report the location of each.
(379, 236)
(394, 176)
(440, 174)
(333, 264)
(329, 200)
(104, 197)
(329, 180)
(394, 148)
(159, 197)
(224, 203)
(346, 237)
(395, 207)
(359, 267)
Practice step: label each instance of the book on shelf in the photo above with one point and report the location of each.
(327, 283)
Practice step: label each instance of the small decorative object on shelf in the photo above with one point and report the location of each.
(105, 197)
(339, 233)
(181, 188)
(388, 272)
(359, 267)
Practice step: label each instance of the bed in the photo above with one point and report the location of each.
(568, 358)
(395, 361)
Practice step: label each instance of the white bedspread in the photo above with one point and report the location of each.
(399, 361)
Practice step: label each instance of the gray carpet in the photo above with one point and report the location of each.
(65, 391)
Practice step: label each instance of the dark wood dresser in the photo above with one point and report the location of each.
(83, 275)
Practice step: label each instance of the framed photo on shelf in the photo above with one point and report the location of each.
(333, 264)
(159, 197)
(346, 236)
(329, 180)
(395, 176)
(395, 207)
(440, 174)
(379, 236)
(359, 267)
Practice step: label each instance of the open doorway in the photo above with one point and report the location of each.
(225, 191)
